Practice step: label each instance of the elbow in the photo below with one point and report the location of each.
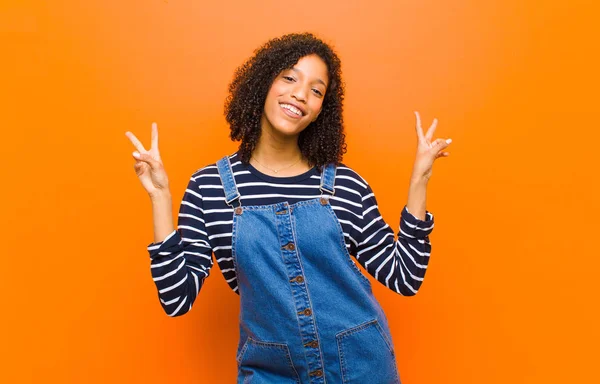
(408, 289)
(176, 307)
(176, 314)
(408, 293)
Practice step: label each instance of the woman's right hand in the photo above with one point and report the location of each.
(148, 165)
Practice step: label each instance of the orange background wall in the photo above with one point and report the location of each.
(511, 293)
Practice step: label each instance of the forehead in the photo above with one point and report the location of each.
(313, 67)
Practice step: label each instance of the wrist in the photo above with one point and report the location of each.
(160, 196)
(418, 181)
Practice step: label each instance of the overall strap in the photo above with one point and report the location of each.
(328, 179)
(231, 192)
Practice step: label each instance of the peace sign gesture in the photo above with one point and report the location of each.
(427, 150)
(148, 165)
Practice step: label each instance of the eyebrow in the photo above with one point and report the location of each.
(318, 80)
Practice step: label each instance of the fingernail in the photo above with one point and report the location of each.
(448, 141)
(136, 155)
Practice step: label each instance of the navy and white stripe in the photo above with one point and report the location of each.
(181, 262)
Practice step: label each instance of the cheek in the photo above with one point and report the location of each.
(277, 89)
(316, 105)
(272, 96)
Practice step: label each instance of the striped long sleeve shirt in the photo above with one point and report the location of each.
(183, 260)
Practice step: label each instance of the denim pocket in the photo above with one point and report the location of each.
(266, 362)
(367, 355)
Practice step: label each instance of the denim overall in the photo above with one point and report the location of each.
(308, 314)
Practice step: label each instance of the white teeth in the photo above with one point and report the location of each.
(292, 108)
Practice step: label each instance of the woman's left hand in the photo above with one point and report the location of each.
(427, 151)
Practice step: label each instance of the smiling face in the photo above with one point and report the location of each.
(296, 97)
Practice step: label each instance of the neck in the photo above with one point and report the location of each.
(276, 151)
(276, 154)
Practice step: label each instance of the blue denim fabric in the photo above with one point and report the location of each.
(308, 314)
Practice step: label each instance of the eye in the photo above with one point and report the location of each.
(317, 92)
(288, 78)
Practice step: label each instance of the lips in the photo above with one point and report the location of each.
(293, 108)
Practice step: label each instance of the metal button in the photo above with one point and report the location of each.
(324, 200)
(307, 312)
(299, 279)
(318, 373)
(238, 211)
(289, 246)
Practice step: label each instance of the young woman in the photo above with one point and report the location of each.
(282, 216)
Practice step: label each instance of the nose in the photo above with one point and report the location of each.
(299, 93)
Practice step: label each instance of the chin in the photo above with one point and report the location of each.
(283, 126)
(290, 131)
(289, 128)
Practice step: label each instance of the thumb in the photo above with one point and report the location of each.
(440, 144)
(146, 158)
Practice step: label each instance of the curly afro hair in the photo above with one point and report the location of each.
(322, 141)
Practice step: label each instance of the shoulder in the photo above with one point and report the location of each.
(347, 177)
(209, 174)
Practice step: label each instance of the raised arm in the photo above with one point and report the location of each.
(180, 259)
(182, 262)
(428, 150)
(401, 264)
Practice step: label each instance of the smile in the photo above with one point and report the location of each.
(292, 110)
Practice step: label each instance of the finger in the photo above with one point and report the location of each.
(154, 136)
(431, 129)
(418, 126)
(144, 157)
(442, 154)
(136, 143)
(439, 144)
(139, 167)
